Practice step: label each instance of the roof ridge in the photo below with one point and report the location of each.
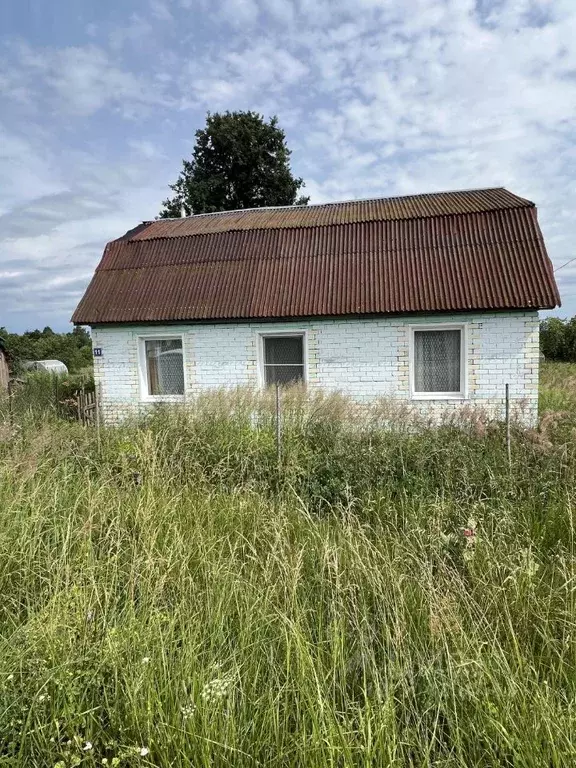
(334, 202)
(455, 203)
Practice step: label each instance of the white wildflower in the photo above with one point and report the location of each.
(87, 747)
(216, 689)
(146, 660)
(188, 710)
(144, 751)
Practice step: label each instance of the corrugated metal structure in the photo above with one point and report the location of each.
(442, 252)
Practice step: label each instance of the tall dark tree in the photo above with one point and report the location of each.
(239, 161)
(554, 339)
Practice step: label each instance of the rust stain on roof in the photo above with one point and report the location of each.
(451, 251)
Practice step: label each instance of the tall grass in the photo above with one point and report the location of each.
(397, 597)
(558, 386)
(39, 395)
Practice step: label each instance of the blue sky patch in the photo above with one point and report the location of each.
(99, 102)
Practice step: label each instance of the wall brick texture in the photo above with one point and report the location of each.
(363, 358)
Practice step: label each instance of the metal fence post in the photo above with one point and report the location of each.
(278, 427)
(97, 409)
(508, 447)
(10, 402)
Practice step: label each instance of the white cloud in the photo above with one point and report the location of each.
(138, 31)
(54, 222)
(25, 169)
(243, 78)
(146, 149)
(281, 11)
(239, 12)
(161, 10)
(80, 80)
(265, 65)
(377, 96)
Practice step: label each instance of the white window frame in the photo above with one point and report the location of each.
(463, 393)
(145, 396)
(276, 335)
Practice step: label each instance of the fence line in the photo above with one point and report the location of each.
(86, 407)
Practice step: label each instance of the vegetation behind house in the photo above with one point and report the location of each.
(74, 349)
(558, 339)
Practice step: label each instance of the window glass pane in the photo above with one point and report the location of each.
(437, 361)
(165, 367)
(283, 350)
(283, 374)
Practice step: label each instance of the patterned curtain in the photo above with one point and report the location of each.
(437, 361)
(165, 367)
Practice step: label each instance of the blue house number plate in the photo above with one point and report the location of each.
(97, 351)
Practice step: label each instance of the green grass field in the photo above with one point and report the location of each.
(398, 597)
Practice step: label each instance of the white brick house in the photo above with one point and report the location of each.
(432, 299)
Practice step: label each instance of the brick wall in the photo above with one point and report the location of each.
(364, 358)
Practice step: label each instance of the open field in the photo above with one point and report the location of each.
(171, 597)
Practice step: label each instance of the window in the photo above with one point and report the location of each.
(283, 359)
(438, 362)
(163, 372)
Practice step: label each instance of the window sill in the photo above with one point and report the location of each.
(162, 399)
(438, 396)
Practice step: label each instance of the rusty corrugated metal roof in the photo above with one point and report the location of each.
(327, 214)
(452, 251)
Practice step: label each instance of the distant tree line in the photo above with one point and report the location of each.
(74, 349)
(558, 339)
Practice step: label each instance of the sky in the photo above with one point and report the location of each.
(100, 99)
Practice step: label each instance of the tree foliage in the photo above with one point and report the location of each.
(239, 161)
(558, 339)
(74, 349)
